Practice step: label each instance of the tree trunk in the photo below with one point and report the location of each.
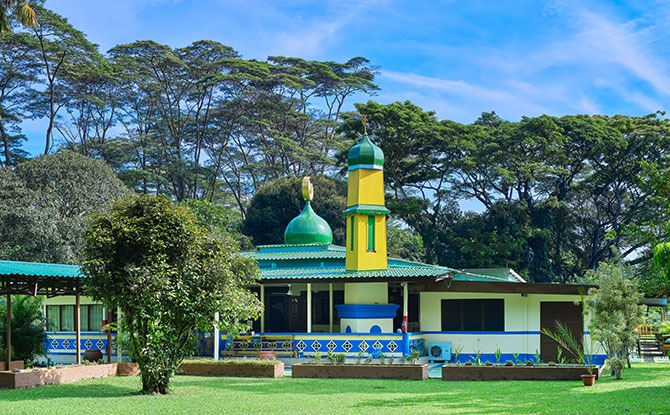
(5, 142)
(154, 382)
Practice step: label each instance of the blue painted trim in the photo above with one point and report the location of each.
(366, 166)
(478, 333)
(321, 334)
(366, 311)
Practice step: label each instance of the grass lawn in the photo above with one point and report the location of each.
(644, 390)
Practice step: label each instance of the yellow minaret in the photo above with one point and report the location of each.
(366, 211)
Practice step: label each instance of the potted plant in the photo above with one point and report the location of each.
(563, 336)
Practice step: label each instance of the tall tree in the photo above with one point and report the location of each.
(45, 202)
(169, 276)
(614, 311)
(16, 9)
(66, 54)
(19, 66)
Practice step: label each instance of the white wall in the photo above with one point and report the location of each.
(522, 322)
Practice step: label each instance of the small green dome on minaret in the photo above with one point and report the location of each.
(365, 155)
(308, 227)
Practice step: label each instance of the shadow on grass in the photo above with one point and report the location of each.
(94, 388)
(643, 391)
(269, 386)
(637, 400)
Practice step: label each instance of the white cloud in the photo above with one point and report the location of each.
(619, 43)
(596, 44)
(464, 102)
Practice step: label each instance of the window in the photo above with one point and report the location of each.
(352, 226)
(473, 315)
(61, 317)
(371, 233)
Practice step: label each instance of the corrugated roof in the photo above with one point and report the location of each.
(287, 256)
(504, 274)
(342, 273)
(38, 269)
(284, 262)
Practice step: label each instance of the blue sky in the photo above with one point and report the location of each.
(457, 58)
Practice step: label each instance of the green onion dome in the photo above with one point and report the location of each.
(308, 228)
(365, 155)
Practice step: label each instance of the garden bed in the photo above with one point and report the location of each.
(233, 368)
(29, 378)
(457, 372)
(353, 371)
(14, 364)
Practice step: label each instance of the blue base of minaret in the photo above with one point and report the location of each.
(367, 311)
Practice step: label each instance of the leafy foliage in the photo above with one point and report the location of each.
(169, 276)
(552, 196)
(614, 311)
(219, 219)
(45, 202)
(279, 201)
(28, 325)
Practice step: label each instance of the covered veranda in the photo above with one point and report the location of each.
(34, 278)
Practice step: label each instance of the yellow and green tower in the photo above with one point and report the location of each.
(366, 211)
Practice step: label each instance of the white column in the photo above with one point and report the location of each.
(405, 300)
(77, 326)
(216, 336)
(9, 331)
(119, 352)
(309, 307)
(330, 306)
(263, 309)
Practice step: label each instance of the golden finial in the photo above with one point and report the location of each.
(364, 120)
(307, 188)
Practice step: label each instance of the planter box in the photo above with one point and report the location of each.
(127, 369)
(14, 364)
(232, 369)
(55, 376)
(406, 372)
(454, 372)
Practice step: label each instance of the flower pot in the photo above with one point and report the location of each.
(92, 355)
(267, 354)
(588, 380)
(127, 369)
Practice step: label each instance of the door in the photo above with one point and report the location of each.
(570, 315)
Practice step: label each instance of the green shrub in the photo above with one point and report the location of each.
(336, 358)
(412, 357)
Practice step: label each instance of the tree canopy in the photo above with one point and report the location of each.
(548, 196)
(552, 195)
(277, 202)
(169, 276)
(614, 311)
(45, 202)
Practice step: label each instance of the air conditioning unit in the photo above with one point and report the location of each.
(439, 351)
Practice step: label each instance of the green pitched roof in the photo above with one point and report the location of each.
(324, 261)
(38, 269)
(366, 210)
(342, 273)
